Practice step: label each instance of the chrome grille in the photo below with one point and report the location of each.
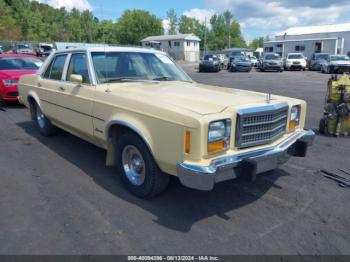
(263, 125)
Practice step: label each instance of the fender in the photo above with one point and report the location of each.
(111, 159)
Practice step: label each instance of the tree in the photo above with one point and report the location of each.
(134, 25)
(223, 27)
(188, 25)
(256, 43)
(172, 18)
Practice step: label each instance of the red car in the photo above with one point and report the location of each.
(12, 67)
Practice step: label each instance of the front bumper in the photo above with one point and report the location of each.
(247, 164)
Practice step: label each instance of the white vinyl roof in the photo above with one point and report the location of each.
(302, 30)
(171, 37)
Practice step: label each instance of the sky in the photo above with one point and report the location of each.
(257, 17)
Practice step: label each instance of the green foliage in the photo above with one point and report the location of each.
(189, 25)
(33, 21)
(225, 32)
(134, 25)
(256, 43)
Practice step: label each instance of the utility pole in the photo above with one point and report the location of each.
(205, 35)
(229, 33)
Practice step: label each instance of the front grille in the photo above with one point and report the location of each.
(296, 63)
(12, 94)
(258, 126)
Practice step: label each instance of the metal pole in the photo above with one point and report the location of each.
(205, 35)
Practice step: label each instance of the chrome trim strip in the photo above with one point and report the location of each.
(261, 109)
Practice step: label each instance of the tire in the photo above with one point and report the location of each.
(46, 128)
(322, 126)
(139, 172)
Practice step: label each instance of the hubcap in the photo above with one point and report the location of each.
(40, 118)
(134, 165)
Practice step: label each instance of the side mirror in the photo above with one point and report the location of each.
(78, 79)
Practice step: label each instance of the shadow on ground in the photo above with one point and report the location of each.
(179, 207)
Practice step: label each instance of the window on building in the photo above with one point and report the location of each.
(195, 43)
(279, 46)
(268, 49)
(169, 44)
(176, 43)
(188, 43)
(318, 47)
(299, 48)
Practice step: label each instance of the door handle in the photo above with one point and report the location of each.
(39, 84)
(61, 88)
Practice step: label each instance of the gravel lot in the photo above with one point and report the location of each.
(57, 196)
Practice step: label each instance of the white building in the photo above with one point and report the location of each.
(333, 39)
(183, 47)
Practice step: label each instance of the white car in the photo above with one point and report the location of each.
(336, 64)
(295, 61)
(253, 60)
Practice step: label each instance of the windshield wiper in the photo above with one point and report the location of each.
(167, 78)
(163, 78)
(126, 79)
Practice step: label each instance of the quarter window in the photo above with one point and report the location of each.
(55, 70)
(78, 66)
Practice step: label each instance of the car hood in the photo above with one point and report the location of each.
(15, 74)
(296, 60)
(198, 98)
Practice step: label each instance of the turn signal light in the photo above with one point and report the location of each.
(293, 124)
(216, 146)
(187, 142)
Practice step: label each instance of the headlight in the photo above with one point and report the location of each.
(219, 133)
(294, 117)
(9, 82)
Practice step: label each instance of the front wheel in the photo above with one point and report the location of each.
(44, 125)
(139, 172)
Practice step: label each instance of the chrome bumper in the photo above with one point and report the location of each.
(247, 164)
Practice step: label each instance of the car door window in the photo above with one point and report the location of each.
(55, 70)
(78, 66)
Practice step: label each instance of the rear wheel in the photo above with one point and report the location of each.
(44, 125)
(139, 172)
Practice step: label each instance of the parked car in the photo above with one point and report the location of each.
(295, 61)
(24, 49)
(45, 49)
(316, 60)
(223, 60)
(336, 64)
(272, 62)
(241, 64)
(153, 120)
(209, 63)
(231, 58)
(254, 61)
(12, 66)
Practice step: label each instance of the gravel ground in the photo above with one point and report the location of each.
(57, 196)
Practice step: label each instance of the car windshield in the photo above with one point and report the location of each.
(136, 66)
(295, 56)
(272, 57)
(46, 47)
(210, 57)
(252, 58)
(340, 58)
(18, 63)
(22, 46)
(322, 56)
(241, 59)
